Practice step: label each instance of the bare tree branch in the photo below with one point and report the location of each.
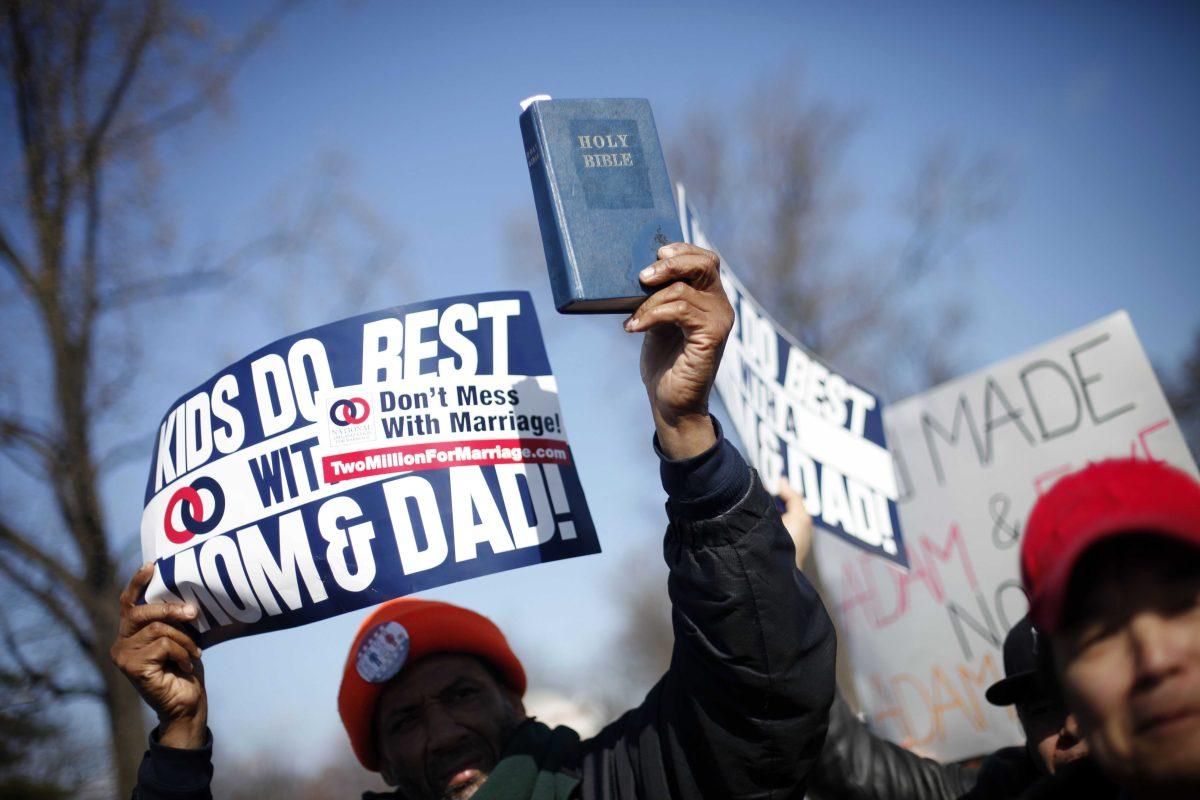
(28, 107)
(780, 206)
(122, 454)
(16, 263)
(94, 85)
(23, 544)
(81, 49)
(202, 99)
(158, 287)
(51, 603)
(1182, 387)
(130, 65)
(89, 166)
(13, 431)
(161, 286)
(38, 677)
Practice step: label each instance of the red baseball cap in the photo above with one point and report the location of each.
(402, 632)
(1099, 502)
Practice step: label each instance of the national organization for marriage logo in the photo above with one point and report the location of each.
(350, 421)
(197, 515)
(346, 412)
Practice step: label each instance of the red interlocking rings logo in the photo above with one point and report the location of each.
(345, 412)
(191, 510)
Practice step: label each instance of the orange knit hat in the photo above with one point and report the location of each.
(403, 631)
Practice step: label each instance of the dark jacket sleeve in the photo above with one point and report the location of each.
(1006, 774)
(742, 710)
(168, 773)
(858, 765)
(1082, 778)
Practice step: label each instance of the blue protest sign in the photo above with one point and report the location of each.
(360, 461)
(798, 417)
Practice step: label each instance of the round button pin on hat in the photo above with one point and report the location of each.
(382, 653)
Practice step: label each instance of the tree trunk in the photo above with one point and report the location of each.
(127, 727)
(127, 714)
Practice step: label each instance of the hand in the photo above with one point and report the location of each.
(163, 663)
(688, 321)
(797, 521)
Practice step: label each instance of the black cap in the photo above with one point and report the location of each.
(1025, 663)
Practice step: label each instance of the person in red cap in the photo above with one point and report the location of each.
(856, 762)
(456, 656)
(1111, 562)
(431, 693)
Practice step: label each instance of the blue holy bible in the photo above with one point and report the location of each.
(603, 198)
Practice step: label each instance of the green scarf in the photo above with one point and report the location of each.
(539, 763)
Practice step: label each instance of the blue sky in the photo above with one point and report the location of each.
(1093, 106)
(1094, 112)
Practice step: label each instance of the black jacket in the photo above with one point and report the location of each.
(858, 765)
(742, 710)
(1082, 778)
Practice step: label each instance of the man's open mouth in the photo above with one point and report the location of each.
(464, 777)
(461, 770)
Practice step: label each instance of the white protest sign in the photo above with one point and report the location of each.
(798, 417)
(973, 455)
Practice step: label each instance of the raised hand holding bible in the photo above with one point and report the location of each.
(687, 320)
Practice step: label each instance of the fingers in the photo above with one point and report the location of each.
(683, 262)
(791, 498)
(152, 612)
(137, 584)
(795, 515)
(135, 617)
(678, 304)
(164, 650)
(152, 646)
(161, 630)
(683, 249)
(796, 520)
(678, 312)
(691, 281)
(148, 642)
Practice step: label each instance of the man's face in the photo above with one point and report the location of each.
(1051, 733)
(440, 727)
(1129, 657)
